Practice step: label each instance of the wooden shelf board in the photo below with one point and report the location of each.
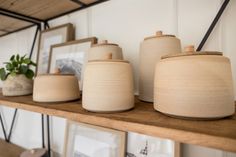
(9, 149)
(219, 134)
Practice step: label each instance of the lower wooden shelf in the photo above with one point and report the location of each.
(219, 134)
(9, 149)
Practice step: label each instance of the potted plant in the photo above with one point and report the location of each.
(17, 76)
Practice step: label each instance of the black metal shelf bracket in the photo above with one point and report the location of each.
(213, 24)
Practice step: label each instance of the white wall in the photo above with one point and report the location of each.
(127, 22)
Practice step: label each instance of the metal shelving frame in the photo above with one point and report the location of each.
(38, 22)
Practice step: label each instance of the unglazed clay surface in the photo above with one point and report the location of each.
(108, 86)
(101, 51)
(17, 85)
(151, 51)
(56, 88)
(196, 86)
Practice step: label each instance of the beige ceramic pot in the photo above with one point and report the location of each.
(194, 85)
(108, 86)
(151, 50)
(37, 152)
(101, 50)
(56, 88)
(17, 86)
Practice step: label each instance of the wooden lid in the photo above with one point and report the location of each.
(189, 51)
(39, 152)
(103, 43)
(159, 34)
(108, 58)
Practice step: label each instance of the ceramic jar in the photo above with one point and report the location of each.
(56, 88)
(38, 152)
(101, 50)
(17, 86)
(195, 85)
(108, 86)
(151, 50)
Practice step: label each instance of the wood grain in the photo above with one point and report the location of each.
(38, 8)
(9, 150)
(219, 134)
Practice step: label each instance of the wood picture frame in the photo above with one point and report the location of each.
(84, 140)
(70, 57)
(49, 37)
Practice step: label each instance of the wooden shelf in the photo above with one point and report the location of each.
(220, 134)
(9, 150)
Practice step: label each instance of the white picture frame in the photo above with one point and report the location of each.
(70, 57)
(83, 140)
(139, 145)
(49, 37)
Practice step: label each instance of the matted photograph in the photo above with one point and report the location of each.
(49, 37)
(70, 57)
(83, 140)
(139, 145)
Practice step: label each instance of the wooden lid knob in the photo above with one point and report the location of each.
(109, 56)
(57, 71)
(189, 48)
(159, 33)
(104, 42)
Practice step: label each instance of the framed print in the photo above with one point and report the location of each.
(70, 57)
(49, 37)
(83, 140)
(139, 145)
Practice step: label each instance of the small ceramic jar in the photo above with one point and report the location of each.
(151, 50)
(38, 152)
(108, 86)
(195, 85)
(56, 88)
(101, 50)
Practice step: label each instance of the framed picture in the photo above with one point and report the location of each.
(70, 57)
(139, 145)
(49, 37)
(83, 140)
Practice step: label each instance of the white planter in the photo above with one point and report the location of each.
(17, 85)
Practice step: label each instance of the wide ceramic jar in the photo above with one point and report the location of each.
(151, 50)
(56, 88)
(108, 86)
(195, 85)
(101, 50)
(17, 85)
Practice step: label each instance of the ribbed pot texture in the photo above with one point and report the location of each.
(194, 86)
(100, 51)
(56, 88)
(108, 86)
(151, 50)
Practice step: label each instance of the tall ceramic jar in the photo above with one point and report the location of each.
(108, 86)
(195, 85)
(101, 50)
(151, 50)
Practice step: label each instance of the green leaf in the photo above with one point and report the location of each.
(32, 63)
(23, 69)
(27, 61)
(3, 74)
(9, 66)
(12, 57)
(17, 57)
(23, 57)
(29, 74)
